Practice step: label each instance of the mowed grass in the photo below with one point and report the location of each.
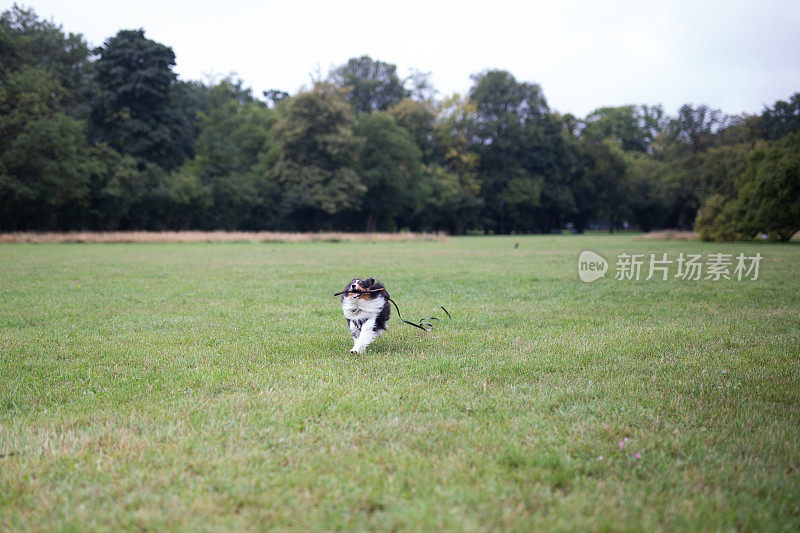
(209, 386)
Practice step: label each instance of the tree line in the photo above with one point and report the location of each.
(109, 138)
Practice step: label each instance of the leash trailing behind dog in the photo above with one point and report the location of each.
(423, 324)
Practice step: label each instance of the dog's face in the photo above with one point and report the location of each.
(355, 286)
(358, 286)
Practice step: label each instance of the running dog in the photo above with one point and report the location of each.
(365, 304)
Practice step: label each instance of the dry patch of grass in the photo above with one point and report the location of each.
(213, 236)
(672, 235)
(678, 235)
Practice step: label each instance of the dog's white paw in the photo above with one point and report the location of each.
(358, 350)
(353, 350)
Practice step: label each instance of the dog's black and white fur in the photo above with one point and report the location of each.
(366, 313)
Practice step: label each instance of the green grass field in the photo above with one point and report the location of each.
(209, 386)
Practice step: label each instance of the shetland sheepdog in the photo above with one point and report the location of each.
(365, 304)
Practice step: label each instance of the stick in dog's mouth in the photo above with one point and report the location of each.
(363, 291)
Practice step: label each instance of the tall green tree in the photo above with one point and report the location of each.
(417, 118)
(44, 160)
(133, 110)
(448, 194)
(234, 131)
(633, 127)
(608, 175)
(25, 40)
(189, 100)
(782, 118)
(373, 85)
(517, 138)
(390, 166)
(695, 127)
(447, 201)
(234, 153)
(647, 199)
(454, 135)
(506, 112)
(120, 192)
(504, 106)
(318, 161)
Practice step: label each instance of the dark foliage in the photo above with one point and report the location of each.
(133, 108)
(111, 139)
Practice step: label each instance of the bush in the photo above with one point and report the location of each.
(718, 220)
(767, 197)
(769, 190)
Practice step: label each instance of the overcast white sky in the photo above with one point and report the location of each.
(735, 55)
